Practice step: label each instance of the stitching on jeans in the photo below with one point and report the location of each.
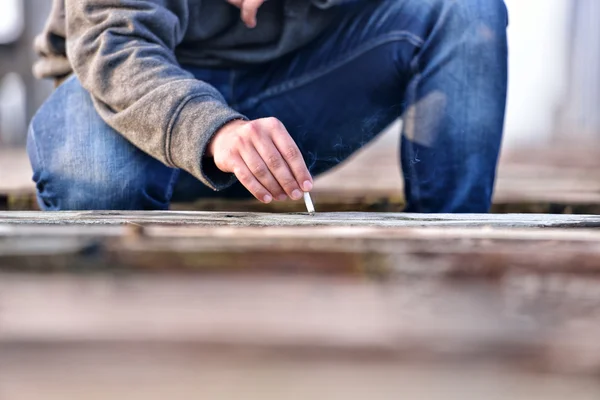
(415, 67)
(171, 124)
(41, 168)
(171, 186)
(301, 81)
(35, 146)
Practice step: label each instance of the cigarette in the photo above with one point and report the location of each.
(309, 204)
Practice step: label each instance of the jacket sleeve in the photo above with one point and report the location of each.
(122, 51)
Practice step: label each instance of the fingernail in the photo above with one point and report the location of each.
(282, 197)
(267, 198)
(296, 195)
(307, 186)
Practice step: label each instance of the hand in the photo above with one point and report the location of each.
(249, 9)
(264, 157)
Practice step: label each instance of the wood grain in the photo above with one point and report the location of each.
(526, 323)
(340, 243)
(383, 220)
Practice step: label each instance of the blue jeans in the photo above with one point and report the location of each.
(440, 64)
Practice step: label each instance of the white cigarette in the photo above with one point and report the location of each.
(309, 204)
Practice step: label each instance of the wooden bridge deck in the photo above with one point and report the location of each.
(396, 287)
(335, 305)
(268, 305)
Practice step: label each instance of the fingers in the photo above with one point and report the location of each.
(264, 158)
(279, 169)
(256, 164)
(280, 164)
(247, 178)
(249, 11)
(292, 156)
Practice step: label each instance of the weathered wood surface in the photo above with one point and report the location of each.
(303, 251)
(382, 220)
(551, 274)
(151, 374)
(527, 323)
(342, 305)
(338, 243)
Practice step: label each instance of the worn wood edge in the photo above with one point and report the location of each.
(317, 232)
(418, 261)
(377, 257)
(380, 253)
(298, 219)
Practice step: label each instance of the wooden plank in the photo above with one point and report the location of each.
(149, 374)
(341, 243)
(371, 244)
(374, 249)
(524, 324)
(383, 220)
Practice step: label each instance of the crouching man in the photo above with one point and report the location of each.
(173, 100)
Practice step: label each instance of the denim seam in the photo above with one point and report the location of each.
(416, 190)
(171, 186)
(37, 150)
(171, 124)
(306, 79)
(41, 167)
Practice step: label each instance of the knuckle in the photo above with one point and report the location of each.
(220, 163)
(272, 123)
(232, 153)
(275, 161)
(238, 141)
(259, 170)
(252, 127)
(291, 153)
(241, 174)
(223, 159)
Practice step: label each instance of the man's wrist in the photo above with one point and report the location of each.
(210, 149)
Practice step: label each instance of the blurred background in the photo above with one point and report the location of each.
(20, 93)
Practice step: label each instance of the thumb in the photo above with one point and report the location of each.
(249, 11)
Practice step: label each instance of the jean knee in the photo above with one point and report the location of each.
(81, 163)
(459, 15)
(488, 17)
(63, 187)
(55, 192)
